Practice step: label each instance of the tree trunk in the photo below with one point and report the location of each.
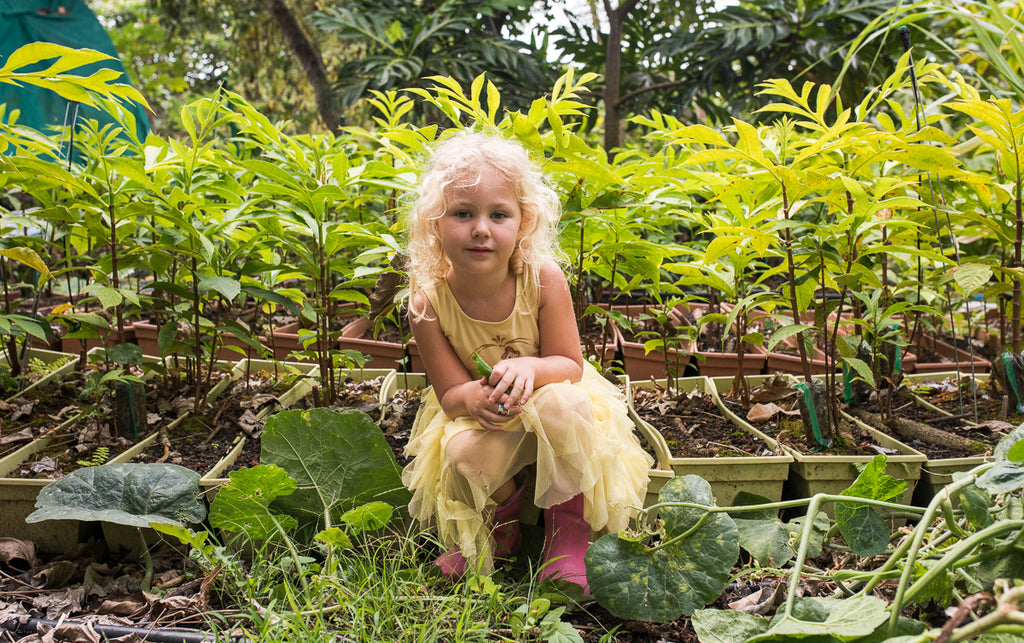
(309, 56)
(612, 72)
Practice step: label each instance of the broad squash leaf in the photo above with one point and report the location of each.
(339, 460)
(133, 494)
(661, 583)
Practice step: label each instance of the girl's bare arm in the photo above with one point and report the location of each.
(560, 356)
(459, 393)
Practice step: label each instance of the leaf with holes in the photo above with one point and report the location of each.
(243, 504)
(339, 460)
(689, 569)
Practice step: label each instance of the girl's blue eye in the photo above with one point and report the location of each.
(498, 215)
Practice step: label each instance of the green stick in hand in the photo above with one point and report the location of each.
(482, 367)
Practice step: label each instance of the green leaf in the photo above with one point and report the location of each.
(26, 256)
(863, 529)
(334, 537)
(845, 620)
(1007, 474)
(243, 504)
(786, 332)
(339, 460)
(368, 517)
(975, 503)
(970, 277)
(166, 336)
(226, 286)
(133, 494)
(109, 297)
(678, 577)
(125, 354)
(727, 626)
(1016, 452)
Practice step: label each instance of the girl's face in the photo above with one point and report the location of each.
(480, 227)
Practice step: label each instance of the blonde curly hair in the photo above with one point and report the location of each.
(456, 164)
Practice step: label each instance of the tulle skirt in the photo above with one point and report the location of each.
(578, 436)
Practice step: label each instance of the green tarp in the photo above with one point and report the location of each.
(63, 22)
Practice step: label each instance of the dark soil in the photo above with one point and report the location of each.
(960, 404)
(28, 416)
(851, 439)
(92, 439)
(200, 442)
(399, 415)
(694, 426)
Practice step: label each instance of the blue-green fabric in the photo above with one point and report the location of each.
(63, 22)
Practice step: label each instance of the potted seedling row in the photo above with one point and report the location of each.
(821, 470)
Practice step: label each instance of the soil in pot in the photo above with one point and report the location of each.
(399, 414)
(944, 395)
(850, 439)
(200, 441)
(693, 426)
(90, 440)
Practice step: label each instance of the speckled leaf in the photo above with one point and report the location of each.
(243, 504)
(638, 582)
(133, 494)
(339, 460)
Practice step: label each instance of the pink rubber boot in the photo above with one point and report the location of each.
(508, 540)
(566, 538)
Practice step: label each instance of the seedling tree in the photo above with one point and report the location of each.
(312, 184)
(194, 193)
(56, 74)
(999, 126)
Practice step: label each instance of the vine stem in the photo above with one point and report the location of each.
(915, 544)
(954, 554)
(813, 504)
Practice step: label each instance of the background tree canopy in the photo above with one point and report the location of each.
(314, 62)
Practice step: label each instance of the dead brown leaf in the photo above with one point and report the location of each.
(761, 602)
(18, 554)
(760, 413)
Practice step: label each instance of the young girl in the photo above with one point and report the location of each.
(484, 280)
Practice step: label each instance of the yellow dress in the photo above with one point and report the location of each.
(578, 435)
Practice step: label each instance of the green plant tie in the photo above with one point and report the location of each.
(898, 360)
(847, 384)
(809, 403)
(1011, 378)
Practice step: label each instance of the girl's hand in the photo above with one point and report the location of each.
(513, 381)
(489, 414)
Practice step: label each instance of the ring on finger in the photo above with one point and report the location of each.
(502, 410)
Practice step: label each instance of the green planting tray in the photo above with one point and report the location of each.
(831, 474)
(728, 475)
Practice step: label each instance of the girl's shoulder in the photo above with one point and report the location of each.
(549, 274)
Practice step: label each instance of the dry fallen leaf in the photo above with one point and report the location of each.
(763, 412)
(17, 554)
(761, 602)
